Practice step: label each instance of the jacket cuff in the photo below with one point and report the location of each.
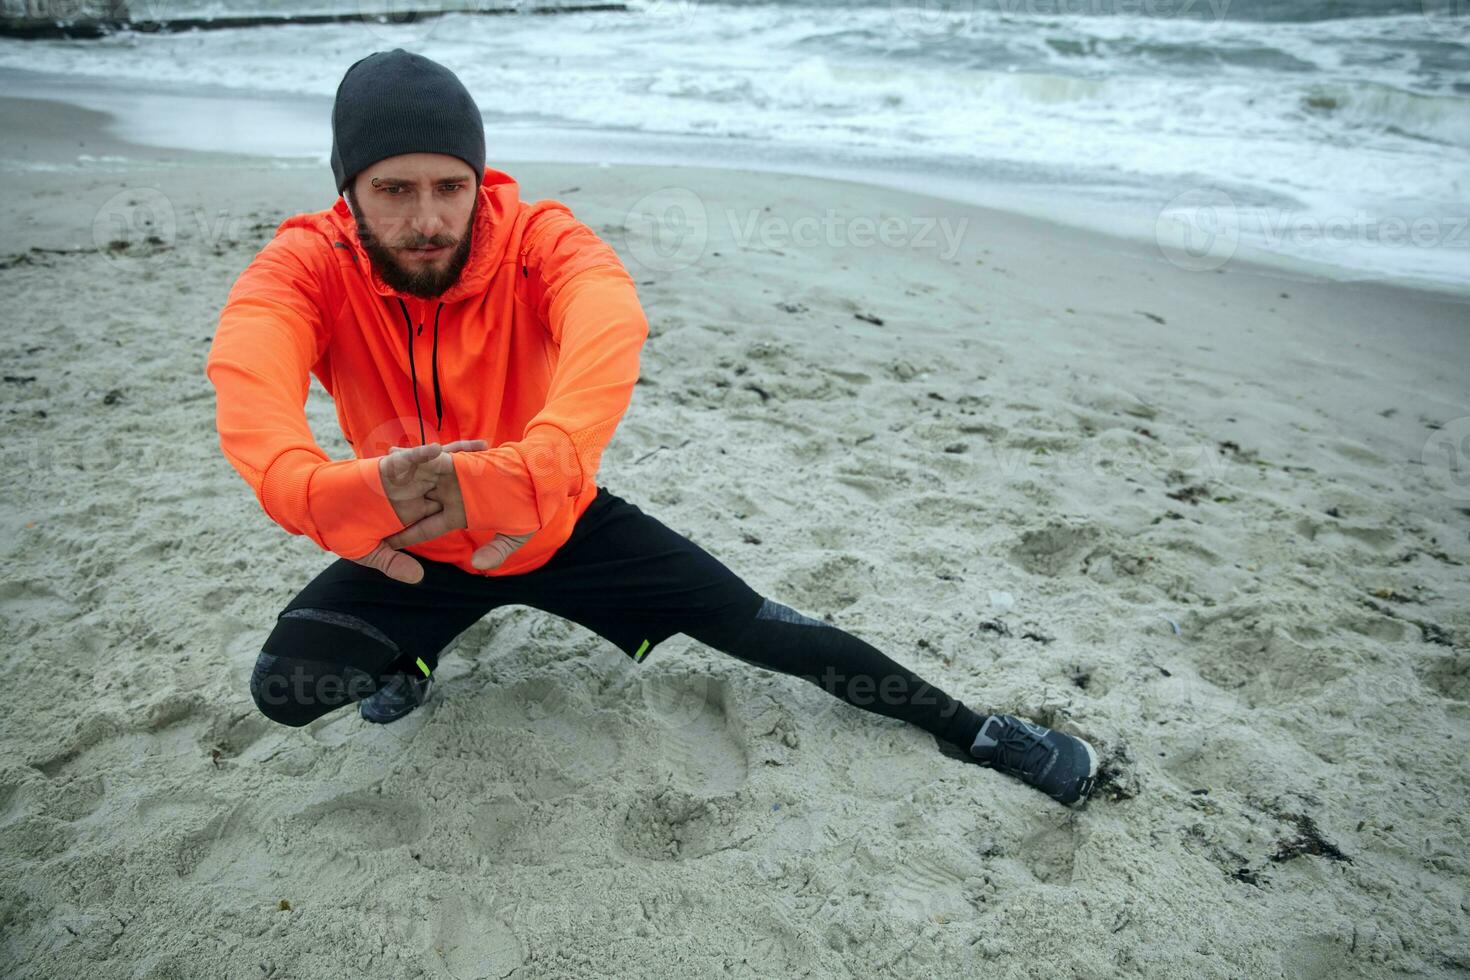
(283, 490)
(517, 488)
(350, 508)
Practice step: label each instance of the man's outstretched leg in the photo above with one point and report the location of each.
(779, 638)
(635, 581)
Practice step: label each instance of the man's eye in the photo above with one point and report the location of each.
(450, 187)
(392, 188)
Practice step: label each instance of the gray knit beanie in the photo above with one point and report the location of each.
(394, 102)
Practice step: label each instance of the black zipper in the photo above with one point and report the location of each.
(413, 372)
(434, 369)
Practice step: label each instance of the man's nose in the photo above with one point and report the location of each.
(426, 224)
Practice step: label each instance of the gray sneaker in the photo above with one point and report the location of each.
(1062, 766)
(395, 699)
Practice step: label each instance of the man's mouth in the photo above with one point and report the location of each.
(431, 252)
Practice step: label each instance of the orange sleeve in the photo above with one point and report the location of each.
(589, 303)
(271, 331)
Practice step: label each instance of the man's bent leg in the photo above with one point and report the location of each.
(351, 630)
(317, 660)
(779, 638)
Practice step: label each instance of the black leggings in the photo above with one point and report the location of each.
(624, 575)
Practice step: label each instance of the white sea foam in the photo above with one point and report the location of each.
(1354, 123)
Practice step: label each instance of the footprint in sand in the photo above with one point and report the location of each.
(922, 884)
(671, 825)
(694, 738)
(766, 943)
(1050, 854)
(1265, 666)
(472, 941)
(499, 824)
(833, 582)
(1055, 549)
(197, 829)
(370, 821)
(1448, 675)
(557, 739)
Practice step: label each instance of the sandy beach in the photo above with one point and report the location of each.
(1216, 521)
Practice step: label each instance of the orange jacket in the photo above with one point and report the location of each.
(535, 350)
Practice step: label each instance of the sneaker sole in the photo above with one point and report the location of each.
(1091, 759)
(361, 713)
(386, 721)
(1091, 781)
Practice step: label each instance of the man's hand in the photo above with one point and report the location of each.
(451, 517)
(409, 480)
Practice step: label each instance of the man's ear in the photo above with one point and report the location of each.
(347, 196)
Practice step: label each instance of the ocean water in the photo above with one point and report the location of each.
(1331, 130)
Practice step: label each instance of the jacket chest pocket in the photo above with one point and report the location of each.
(530, 289)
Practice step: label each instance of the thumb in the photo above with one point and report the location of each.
(491, 555)
(397, 565)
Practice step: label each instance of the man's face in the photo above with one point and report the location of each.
(414, 216)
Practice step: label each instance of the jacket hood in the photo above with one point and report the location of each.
(492, 230)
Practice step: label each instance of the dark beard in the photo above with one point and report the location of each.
(424, 283)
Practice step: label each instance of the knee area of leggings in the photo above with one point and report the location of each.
(770, 609)
(314, 643)
(769, 622)
(297, 690)
(270, 690)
